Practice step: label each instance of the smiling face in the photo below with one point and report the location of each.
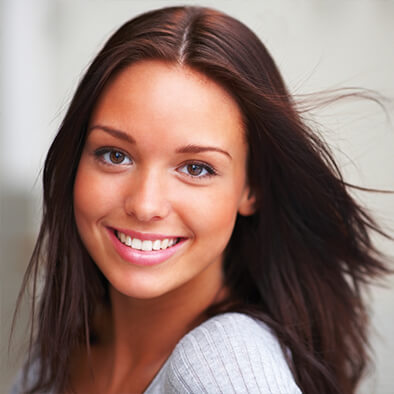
(161, 179)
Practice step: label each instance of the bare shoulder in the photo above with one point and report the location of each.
(228, 353)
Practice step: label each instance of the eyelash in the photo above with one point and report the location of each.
(101, 152)
(210, 171)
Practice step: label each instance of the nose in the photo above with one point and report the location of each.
(146, 198)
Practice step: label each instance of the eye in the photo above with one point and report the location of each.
(112, 156)
(197, 170)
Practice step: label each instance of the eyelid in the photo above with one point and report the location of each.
(100, 152)
(211, 171)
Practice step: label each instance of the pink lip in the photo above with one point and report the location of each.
(140, 257)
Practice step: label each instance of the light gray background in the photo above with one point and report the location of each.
(318, 44)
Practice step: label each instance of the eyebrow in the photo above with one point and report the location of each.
(197, 149)
(114, 132)
(191, 148)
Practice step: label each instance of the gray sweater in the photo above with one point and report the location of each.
(229, 353)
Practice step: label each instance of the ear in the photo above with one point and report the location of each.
(247, 204)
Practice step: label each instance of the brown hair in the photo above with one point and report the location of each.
(298, 263)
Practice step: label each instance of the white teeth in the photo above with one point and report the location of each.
(156, 245)
(136, 244)
(146, 245)
(164, 244)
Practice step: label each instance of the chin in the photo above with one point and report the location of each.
(142, 289)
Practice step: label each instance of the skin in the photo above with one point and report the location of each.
(162, 108)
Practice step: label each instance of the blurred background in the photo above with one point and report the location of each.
(45, 45)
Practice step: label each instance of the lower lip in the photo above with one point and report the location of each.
(140, 257)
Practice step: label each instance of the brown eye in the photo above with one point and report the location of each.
(116, 157)
(194, 169)
(112, 157)
(197, 170)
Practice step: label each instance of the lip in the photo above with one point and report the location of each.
(139, 257)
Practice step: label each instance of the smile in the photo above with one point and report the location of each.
(146, 245)
(145, 249)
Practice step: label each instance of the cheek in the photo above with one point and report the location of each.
(223, 208)
(92, 195)
(210, 213)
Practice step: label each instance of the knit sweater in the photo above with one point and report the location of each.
(229, 353)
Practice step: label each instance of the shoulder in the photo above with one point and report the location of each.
(228, 353)
(27, 378)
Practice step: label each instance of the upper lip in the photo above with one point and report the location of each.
(144, 236)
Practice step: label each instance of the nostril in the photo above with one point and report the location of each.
(146, 208)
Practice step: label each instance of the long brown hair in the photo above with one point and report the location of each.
(298, 263)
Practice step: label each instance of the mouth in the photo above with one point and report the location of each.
(145, 249)
(145, 244)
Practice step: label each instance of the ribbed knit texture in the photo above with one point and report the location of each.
(229, 353)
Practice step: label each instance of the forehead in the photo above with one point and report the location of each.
(155, 98)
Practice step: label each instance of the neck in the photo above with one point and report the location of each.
(145, 331)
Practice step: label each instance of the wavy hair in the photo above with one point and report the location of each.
(299, 263)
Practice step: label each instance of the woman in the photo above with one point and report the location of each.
(197, 235)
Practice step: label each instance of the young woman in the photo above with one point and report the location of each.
(197, 236)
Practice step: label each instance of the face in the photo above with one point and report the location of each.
(161, 180)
